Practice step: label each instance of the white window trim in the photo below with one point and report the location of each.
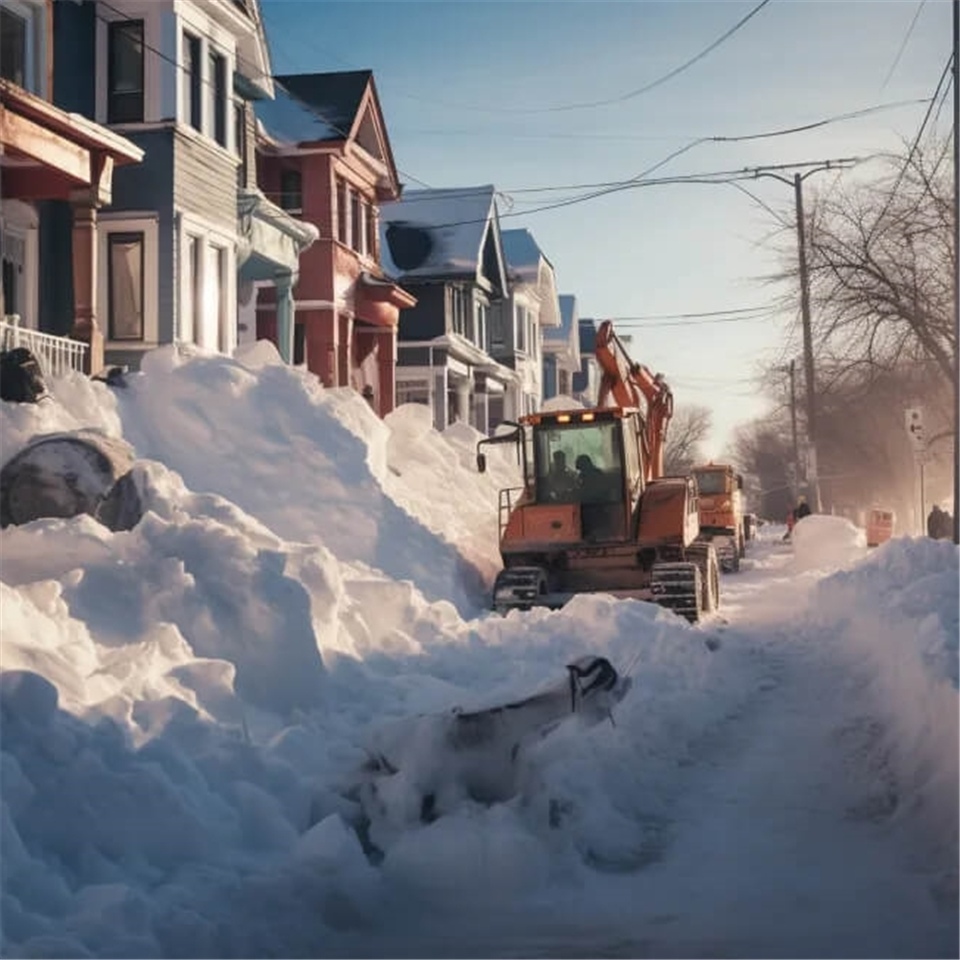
(153, 63)
(148, 225)
(35, 61)
(213, 38)
(208, 236)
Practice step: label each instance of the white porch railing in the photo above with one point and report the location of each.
(57, 355)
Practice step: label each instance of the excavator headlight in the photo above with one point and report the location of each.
(563, 418)
(586, 417)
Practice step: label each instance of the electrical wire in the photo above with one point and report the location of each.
(903, 45)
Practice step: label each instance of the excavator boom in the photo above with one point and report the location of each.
(631, 384)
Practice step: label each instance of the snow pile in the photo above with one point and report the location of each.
(894, 617)
(823, 542)
(186, 706)
(313, 465)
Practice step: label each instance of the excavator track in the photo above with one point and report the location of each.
(678, 587)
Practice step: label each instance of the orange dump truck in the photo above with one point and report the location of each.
(721, 512)
(595, 513)
(880, 526)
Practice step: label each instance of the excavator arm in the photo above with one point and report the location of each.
(630, 384)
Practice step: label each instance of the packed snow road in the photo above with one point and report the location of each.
(791, 829)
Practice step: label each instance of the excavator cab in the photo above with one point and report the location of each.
(595, 512)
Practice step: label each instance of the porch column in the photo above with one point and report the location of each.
(387, 370)
(463, 400)
(285, 315)
(85, 325)
(322, 346)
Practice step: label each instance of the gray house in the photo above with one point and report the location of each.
(561, 351)
(444, 247)
(175, 77)
(519, 321)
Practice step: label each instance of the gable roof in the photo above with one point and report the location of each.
(443, 233)
(522, 254)
(314, 107)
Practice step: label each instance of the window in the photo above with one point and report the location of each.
(222, 317)
(356, 221)
(125, 270)
(521, 328)
(190, 313)
(481, 320)
(496, 327)
(218, 97)
(413, 391)
(342, 219)
(291, 191)
(240, 128)
(192, 80)
(371, 231)
(14, 47)
(125, 71)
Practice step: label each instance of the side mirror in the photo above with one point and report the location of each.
(482, 462)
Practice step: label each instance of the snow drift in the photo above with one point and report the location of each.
(185, 704)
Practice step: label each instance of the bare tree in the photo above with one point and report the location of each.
(690, 426)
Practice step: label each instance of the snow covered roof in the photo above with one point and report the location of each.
(442, 233)
(523, 254)
(564, 340)
(314, 107)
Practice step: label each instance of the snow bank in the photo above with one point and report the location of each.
(894, 617)
(823, 542)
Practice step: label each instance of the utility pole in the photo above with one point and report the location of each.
(813, 470)
(813, 484)
(793, 419)
(956, 271)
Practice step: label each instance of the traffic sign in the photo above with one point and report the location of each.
(913, 418)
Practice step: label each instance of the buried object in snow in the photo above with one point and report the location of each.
(67, 474)
(424, 767)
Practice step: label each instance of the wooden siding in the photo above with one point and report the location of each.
(205, 180)
(428, 318)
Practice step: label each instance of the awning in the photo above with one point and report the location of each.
(271, 241)
(379, 301)
(48, 153)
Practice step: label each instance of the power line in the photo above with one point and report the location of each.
(629, 95)
(913, 149)
(684, 316)
(253, 72)
(903, 45)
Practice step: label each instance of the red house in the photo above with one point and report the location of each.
(324, 156)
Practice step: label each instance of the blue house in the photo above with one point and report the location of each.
(187, 224)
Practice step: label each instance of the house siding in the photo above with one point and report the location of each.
(428, 318)
(205, 180)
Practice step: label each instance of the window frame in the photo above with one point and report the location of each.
(288, 195)
(113, 28)
(126, 236)
(29, 79)
(146, 222)
(217, 68)
(192, 99)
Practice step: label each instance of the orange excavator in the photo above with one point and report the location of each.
(595, 512)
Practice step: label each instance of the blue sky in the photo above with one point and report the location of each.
(478, 92)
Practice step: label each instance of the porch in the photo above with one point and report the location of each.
(271, 242)
(49, 154)
(56, 355)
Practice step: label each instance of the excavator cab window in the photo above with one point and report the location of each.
(711, 482)
(579, 463)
